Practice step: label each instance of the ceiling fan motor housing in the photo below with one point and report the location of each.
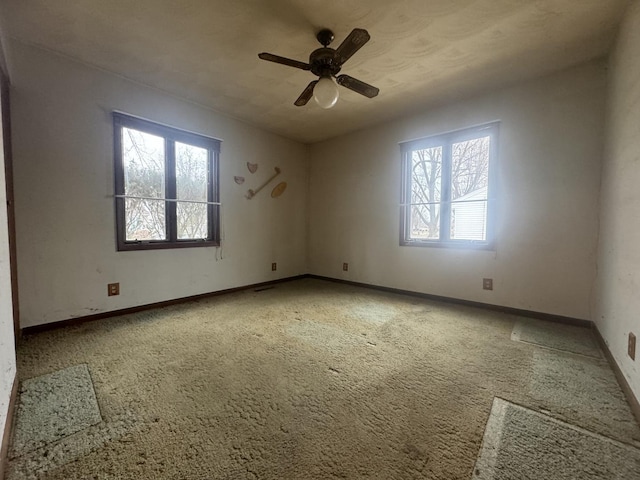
(323, 62)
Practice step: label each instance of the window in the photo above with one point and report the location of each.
(446, 189)
(166, 183)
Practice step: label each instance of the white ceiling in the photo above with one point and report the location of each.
(421, 52)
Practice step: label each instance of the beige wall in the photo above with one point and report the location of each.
(618, 284)
(549, 175)
(63, 160)
(7, 339)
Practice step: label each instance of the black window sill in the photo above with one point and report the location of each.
(160, 245)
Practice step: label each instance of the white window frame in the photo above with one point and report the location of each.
(446, 140)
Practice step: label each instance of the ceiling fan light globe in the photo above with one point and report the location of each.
(326, 92)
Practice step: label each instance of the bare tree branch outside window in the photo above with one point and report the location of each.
(144, 157)
(426, 185)
(191, 184)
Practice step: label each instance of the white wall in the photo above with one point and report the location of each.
(63, 161)
(549, 175)
(7, 338)
(618, 284)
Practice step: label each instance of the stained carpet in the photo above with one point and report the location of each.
(308, 380)
(520, 444)
(54, 406)
(568, 338)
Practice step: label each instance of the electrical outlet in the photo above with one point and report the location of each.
(113, 289)
(274, 266)
(632, 346)
(345, 267)
(487, 283)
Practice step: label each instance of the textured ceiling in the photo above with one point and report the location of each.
(421, 52)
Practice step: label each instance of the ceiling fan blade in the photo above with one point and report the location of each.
(284, 61)
(306, 95)
(356, 39)
(357, 86)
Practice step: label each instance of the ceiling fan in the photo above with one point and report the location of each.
(325, 62)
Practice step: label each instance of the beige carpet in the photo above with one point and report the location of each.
(307, 380)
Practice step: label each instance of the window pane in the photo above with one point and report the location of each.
(192, 220)
(425, 222)
(469, 220)
(470, 169)
(143, 158)
(426, 175)
(469, 181)
(191, 184)
(145, 219)
(191, 172)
